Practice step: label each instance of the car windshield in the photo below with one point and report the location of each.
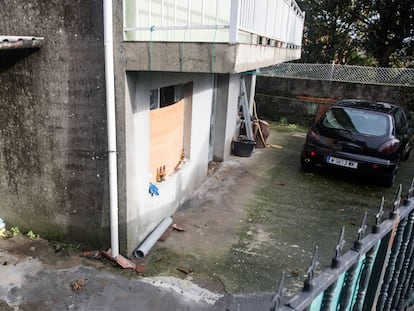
(356, 121)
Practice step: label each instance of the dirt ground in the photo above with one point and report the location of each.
(256, 217)
(211, 220)
(213, 216)
(252, 219)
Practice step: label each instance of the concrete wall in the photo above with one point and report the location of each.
(132, 60)
(279, 98)
(204, 57)
(53, 140)
(53, 156)
(143, 211)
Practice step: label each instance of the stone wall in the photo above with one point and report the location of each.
(53, 159)
(297, 100)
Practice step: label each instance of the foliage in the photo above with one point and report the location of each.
(14, 231)
(32, 235)
(284, 126)
(327, 33)
(384, 26)
(363, 32)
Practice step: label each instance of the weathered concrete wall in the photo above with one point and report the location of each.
(202, 57)
(278, 98)
(144, 211)
(134, 224)
(53, 157)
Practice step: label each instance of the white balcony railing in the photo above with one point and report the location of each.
(278, 22)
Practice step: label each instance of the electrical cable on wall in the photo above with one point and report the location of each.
(213, 51)
(182, 50)
(152, 29)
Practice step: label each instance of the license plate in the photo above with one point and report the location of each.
(342, 162)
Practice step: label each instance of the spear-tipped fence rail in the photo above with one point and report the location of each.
(376, 274)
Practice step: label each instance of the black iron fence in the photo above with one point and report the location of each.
(376, 274)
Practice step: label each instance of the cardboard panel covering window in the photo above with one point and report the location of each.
(166, 137)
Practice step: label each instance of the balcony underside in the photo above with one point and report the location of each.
(204, 57)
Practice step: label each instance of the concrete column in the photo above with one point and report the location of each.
(228, 91)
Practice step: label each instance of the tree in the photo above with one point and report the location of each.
(327, 31)
(360, 32)
(384, 27)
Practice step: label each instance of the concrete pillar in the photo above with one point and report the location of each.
(228, 91)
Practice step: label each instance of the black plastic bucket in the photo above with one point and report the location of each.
(243, 148)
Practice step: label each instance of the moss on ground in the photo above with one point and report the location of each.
(290, 213)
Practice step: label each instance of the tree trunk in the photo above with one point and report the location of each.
(383, 60)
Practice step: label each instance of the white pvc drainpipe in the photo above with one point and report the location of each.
(111, 124)
(152, 238)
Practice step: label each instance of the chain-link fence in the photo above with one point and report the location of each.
(343, 73)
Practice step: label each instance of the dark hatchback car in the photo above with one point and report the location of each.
(361, 136)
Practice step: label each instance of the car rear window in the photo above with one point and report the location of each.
(357, 121)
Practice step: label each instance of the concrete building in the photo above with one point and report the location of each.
(178, 66)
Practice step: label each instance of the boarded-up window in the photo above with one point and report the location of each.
(170, 127)
(166, 137)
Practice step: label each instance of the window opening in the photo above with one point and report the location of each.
(166, 96)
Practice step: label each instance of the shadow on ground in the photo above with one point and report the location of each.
(252, 219)
(259, 216)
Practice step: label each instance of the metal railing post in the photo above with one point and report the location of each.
(376, 274)
(234, 21)
(405, 257)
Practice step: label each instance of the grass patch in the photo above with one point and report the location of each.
(291, 212)
(285, 127)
